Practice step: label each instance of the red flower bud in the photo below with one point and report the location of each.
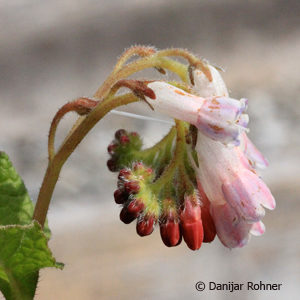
(138, 166)
(124, 139)
(170, 233)
(112, 165)
(124, 174)
(191, 223)
(126, 217)
(207, 220)
(135, 207)
(135, 134)
(145, 226)
(119, 133)
(120, 196)
(208, 225)
(111, 148)
(132, 187)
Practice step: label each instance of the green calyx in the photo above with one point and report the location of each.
(162, 173)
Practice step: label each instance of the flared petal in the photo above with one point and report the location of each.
(244, 196)
(258, 229)
(232, 231)
(257, 160)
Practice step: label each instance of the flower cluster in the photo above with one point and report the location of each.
(176, 218)
(194, 190)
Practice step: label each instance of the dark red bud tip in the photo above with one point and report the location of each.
(119, 133)
(138, 166)
(132, 187)
(135, 207)
(124, 139)
(135, 134)
(112, 165)
(120, 196)
(207, 220)
(126, 217)
(193, 234)
(170, 233)
(145, 226)
(111, 148)
(208, 225)
(124, 174)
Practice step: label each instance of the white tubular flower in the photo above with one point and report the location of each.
(220, 118)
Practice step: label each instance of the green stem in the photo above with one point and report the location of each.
(54, 166)
(141, 64)
(176, 160)
(135, 50)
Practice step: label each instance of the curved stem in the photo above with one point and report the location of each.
(135, 50)
(192, 59)
(55, 165)
(82, 106)
(143, 63)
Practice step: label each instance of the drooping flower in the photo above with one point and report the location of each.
(236, 193)
(227, 158)
(228, 177)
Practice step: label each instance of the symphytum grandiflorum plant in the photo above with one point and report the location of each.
(199, 181)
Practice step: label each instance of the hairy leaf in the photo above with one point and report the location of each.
(16, 206)
(23, 251)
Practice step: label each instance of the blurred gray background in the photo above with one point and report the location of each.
(52, 52)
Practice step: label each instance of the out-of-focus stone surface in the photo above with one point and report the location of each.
(52, 52)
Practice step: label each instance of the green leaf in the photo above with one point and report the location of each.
(23, 244)
(16, 206)
(23, 251)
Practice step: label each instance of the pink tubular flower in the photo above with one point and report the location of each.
(236, 193)
(218, 117)
(228, 177)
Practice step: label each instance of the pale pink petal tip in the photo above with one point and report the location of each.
(231, 231)
(247, 194)
(243, 199)
(253, 154)
(258, 228)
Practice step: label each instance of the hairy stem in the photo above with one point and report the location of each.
(82, 106)
(192, 59)
(54, 166)
(141, 64)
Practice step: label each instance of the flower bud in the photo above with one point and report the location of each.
(120, 196)
(132, 187)
(124, 139)
(135, 207)
(209, 228)
(124, 174)
(126, 217)
(191, 223)
(170, 232)
(145, 225)
(112, 165)
(111, 148)
(119, 133)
